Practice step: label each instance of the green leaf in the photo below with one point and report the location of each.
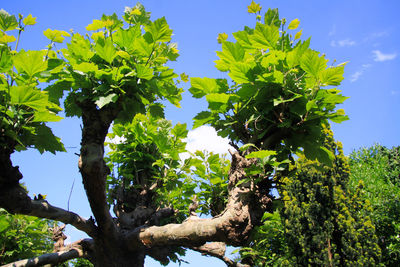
(126, 38)
(184, 77)
(156, 110)
(45, 140)
(265, 36)
(218, 98)
(298, 35)
(5, 39)
(311, 104)
(105, 49)
(159, 30)
(144, 72)
(240, 72)
(272, 17)
(7, 22)
(5, 59)
(253, 8)
(294, 24)
(104, 100)
(44, 116)
(180, 130)
(30, 62)
(96, 25)
(55, 35)
(29, 20)
(312, 63)
(261, 154)
(332, 75)
(222, 37)
(231, 53)
(202, 118)
(28, 96)
(203, 86)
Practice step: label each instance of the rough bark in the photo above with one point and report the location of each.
(233, 226)
(76, 250)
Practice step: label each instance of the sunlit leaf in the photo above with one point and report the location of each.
(29, 20)
(294, 24)
(253, 8)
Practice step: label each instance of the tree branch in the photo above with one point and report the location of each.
(233, 226)
(91, 164)
(217, 249)
(42, 209)
(78, 249)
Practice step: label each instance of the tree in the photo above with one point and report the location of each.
(321, 222)
(274, 106)
(377, 167)
(324, 224)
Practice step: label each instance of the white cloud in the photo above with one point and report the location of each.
(356, 75)
(343, 43)
(380, 57)
(206, 138)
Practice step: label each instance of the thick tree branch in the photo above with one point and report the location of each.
(42, 209)
(91, 162)
(79, 249)
(233, 226)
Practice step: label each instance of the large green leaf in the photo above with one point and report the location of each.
(29, 96)
(240, 72)
(261, 154)
(312, 63)
(105, 49)
(30, 62)
(159, 31)
(126, 38)
(265, 36)
(180, 130)
(144, 72)
(203, 86)
(56, 35)
(7, 22)
(272, 17)
(332, 75)
(45, 140)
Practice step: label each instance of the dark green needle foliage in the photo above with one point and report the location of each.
(326, 225)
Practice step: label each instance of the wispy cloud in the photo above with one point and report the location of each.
(376, 35)
(333, 30)
(380, 57)
(356, 75)
(343, 43)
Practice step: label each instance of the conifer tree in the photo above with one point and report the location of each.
(324, 224)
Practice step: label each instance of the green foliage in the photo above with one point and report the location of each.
(281, 91)
(268, 246)
(147, 154)
(118, 65)
(23, 237)
(80, 262)
(24, 107)
(324, 224)
(378, 168)
(210, 172)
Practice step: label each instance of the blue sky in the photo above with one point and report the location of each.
(365, 33)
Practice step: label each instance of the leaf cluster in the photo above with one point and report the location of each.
(120, 63)
(22, 237)
(280, 94)
(24, 106)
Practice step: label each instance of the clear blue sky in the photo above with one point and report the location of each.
(365, 33)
